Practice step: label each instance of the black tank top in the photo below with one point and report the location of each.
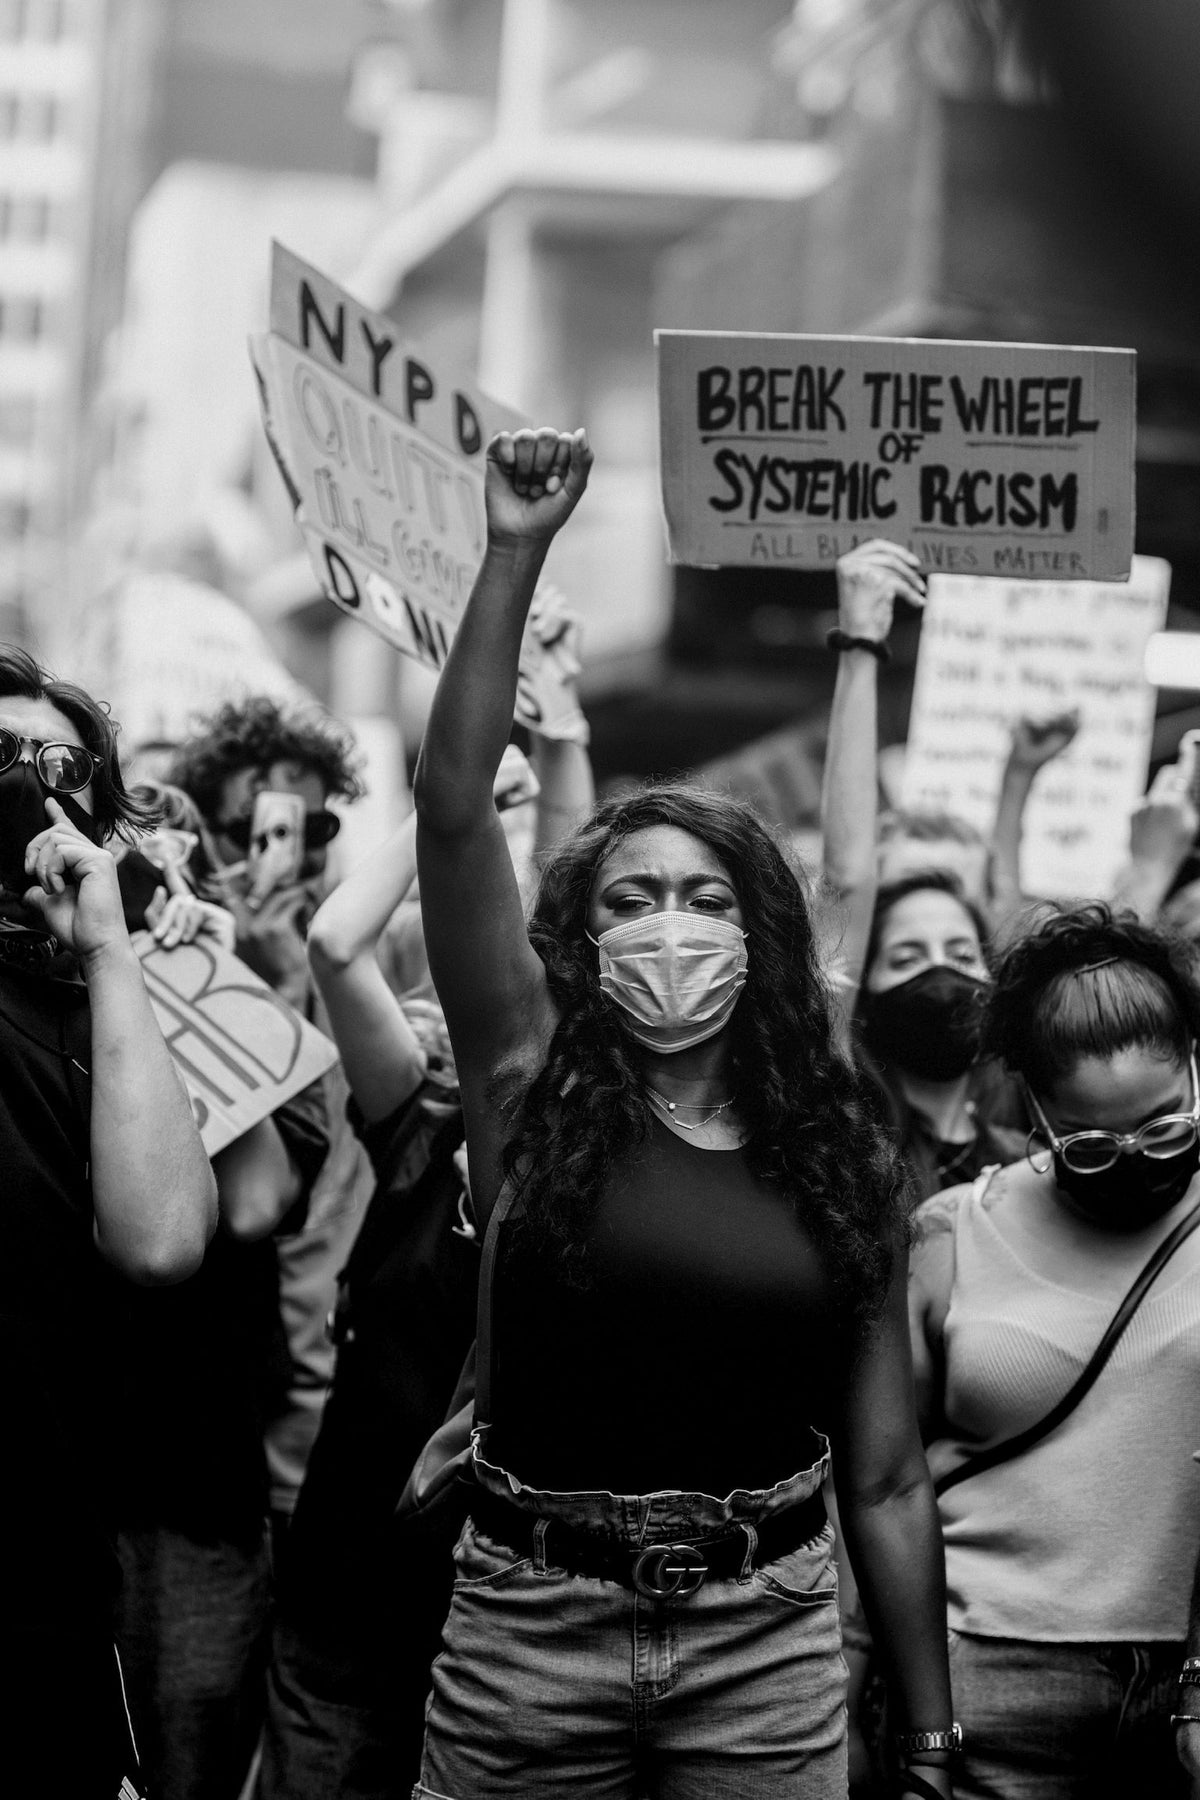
(700, 1352)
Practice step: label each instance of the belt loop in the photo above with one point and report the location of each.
(540, 1529)
(747, 1567)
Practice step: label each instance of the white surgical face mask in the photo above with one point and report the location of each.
(675, 975)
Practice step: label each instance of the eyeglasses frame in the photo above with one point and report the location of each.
(1059, 1145)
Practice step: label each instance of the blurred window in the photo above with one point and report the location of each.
(26, 218)
(18, 420)
(22, 318)
(40, 117)
(12, 19)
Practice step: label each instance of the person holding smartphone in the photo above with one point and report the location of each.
(104, 1183)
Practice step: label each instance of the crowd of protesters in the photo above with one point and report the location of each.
(814, 1261)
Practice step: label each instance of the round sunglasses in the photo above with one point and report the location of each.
(63, 768)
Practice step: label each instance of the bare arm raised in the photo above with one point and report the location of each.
(870, 580)
(489, 980)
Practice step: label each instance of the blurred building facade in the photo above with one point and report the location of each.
(529, 187)
(75, 84)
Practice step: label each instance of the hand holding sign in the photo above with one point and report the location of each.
(870, 580)
(535, 480)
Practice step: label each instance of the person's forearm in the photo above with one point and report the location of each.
(895, 1545)
(257, 1182)
(472, 712)
(351, 921)
(1016, 784)
(568, 790)
(1193, 1634)
(153, 1191)
(1142, 886)
(849, 787)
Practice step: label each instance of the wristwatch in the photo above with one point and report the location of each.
(914, 1743)
(1189, 1677)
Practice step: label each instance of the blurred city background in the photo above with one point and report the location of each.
(530, 187)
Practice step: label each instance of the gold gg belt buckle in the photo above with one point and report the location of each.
(669, 1571)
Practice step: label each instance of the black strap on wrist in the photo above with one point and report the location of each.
(916, 1784)
(837, 639)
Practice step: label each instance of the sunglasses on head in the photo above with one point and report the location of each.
(63, 768)
(320, 828)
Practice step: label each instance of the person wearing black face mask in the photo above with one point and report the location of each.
(101, 1171)
(1069, 1562)
(919, 1015)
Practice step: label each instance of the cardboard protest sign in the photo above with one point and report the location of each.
(242, 1051)
(991, 651)
(383, 451)
(985, 459)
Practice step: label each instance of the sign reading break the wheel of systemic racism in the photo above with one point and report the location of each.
(241, 1050)
(383, 450)
(983, 459)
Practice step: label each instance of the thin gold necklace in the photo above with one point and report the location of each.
(671, 1106)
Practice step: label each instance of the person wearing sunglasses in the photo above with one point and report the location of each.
(259, 747)
(1068, 1561)
(101, 1171)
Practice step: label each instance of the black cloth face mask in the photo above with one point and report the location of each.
(928, 1025)
(1137, 1189)
(23, 815)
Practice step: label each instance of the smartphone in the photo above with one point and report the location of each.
(276, 843)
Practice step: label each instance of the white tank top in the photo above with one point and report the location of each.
(1092, 1535)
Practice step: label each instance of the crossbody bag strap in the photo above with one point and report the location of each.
(1033, 1434)
(505, 1201)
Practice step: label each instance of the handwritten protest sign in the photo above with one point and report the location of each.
(992, 650)
(242, 1051)
(987, 459)
(383, 452)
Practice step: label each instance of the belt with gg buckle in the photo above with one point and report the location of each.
(657, 1571)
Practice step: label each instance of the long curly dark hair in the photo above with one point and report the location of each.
(1090, 982)
(808, 1127)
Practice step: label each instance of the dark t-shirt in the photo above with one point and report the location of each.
(406, 1321)
(56, 1318)
(699, 1352)
(204, 1364)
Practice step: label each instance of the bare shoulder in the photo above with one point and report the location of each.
(935, 1217)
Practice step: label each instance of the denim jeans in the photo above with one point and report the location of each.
(551, 1684)
(1065, 1721)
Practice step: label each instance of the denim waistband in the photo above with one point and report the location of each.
(634, 1518)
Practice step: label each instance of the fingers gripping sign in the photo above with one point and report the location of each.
(535, 479)
(871, 578)
(74, 886)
